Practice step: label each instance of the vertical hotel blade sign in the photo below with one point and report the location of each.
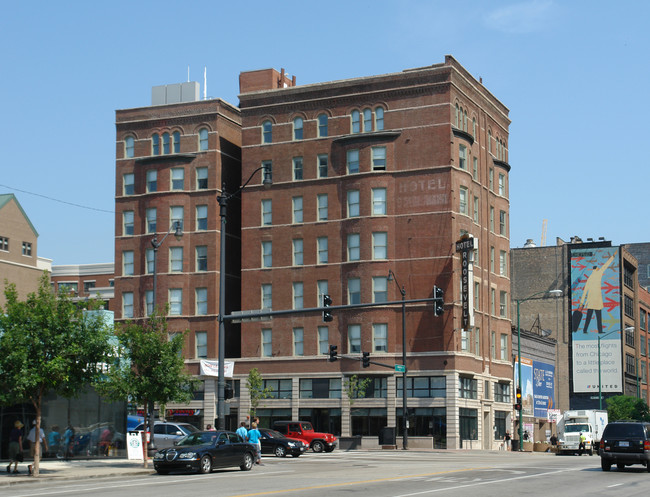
(465, 246)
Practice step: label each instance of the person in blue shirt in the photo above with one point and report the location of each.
(242, 431)
(254, 438)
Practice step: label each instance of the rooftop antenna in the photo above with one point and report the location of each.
(188, 74)
(205, 82)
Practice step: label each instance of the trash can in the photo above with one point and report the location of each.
(514, 444)
(387, 435)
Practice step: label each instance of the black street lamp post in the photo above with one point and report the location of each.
(405, 419)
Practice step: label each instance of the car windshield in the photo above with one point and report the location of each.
(273, 434)
(201, 438)
(187, 429)
(576, 428)
(306, 426)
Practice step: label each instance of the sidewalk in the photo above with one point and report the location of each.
(74, 469)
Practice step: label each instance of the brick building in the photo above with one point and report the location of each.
(371, 175)
(86, 281)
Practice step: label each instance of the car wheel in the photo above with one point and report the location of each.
(162, 471)
(205, 465)
(591, 452)
(620, 466)
(605, 464)
(280, 451)
(329, 449)
(247, 462)
(317, 446)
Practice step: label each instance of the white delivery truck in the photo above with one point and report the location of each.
(589, 422)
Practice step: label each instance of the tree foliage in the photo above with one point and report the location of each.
(625, 407)
(256, 390)
(355, 387)
(48, 344)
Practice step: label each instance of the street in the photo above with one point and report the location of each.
(373, 474)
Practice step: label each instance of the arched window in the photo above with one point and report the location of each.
(176, 140)
(165, 141)
(297, 128)
(356, 125)
(367, 120)
(129, 145)
(490, 140)
(379, 118)
(267, 132)
(322, 125)
(203, 139)
(155, 144)
(457, 116)
(465, 121)
(474, 127)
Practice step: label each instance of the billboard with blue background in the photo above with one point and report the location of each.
(537, 387)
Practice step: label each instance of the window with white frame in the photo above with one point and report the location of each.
(201, 178)
(128, 184)
(322, 125)
(4, 243)
(502, 184)
(322, 165)
(178, 178)
(298, 341)
(491, 179)
(493, 344)
(380, 337)
(352, 161)
(129, 147)
(379, 118)
(378, 158)
(201, 218)
(503, 263)
(464, 340)
(378, 201)
(380, 245)
(175, 301)
(297, 128)
(148, 302)
(502, 223)
(201, 258)
(176, 215)
(503, 349)
(492, 219)
(267, 132)
(127, 223)
(477, 341)
(462, 198)
(503, 304)
(354, 291)
(493, 301)
(468, 387)
(155, 144)
(322, 206)
(323, 340)
(475, 168)
(267, 212)
(203, 139)
(267, 253)
(267, 296)
(492, 259)
(201, 341)
(298, 295)
(462, 157)
(321, 243)
(267, 337)
(127, 263)
(353, 203)
(297, 168)
(152, 181)
(321, 290)
(355, 121)
(297, 209)
(297, 252)
(151, 216)
(354, 338)
(201, 295)
(354, 246)
(176, 259)
(477, 296)
(380, 289)
(127, 305)
(367, 120)
(176, 142)
(149, 255)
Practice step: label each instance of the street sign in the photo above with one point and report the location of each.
(400, 368)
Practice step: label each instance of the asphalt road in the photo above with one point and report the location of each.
(374, 474)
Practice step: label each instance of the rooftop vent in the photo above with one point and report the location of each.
(530, 243)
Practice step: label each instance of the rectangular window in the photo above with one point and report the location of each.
(278, 389)
(493, 345)
(201, 218)
(492, 256)
(468, 389)
(127, 305)
(630, 368)
(502, 185)
(4, 243)
(129, 184)
(201, 258)
(380, 337)
(148, 302)
(152, 181)
(175, 301)
(127, 229)
(464, 340)
(322, 125)
(628, 306)
(149, 255)
(477, 341)
(468, 423)
(353, 203)
(297, 252)
(477, 296)
(151, 215)
(176, 215)
(178, 178)
(267, 296)
(297, 209)
(475, 168)
(462, 198)
(321, 242)
(267, 212)
(176, 259)
(476, 210)
(462, 157)
(322, 166)
(354, 338)
(267, 335)
(503, 263)
(380, 289)
(298, 343)
(353, 161)
(322, 207)
(127, 263)
(201, 340)
(491, 179)
(354, 291)
(423, 387)
(297, 295)
(297, 168)
(323, 340)
(502, 392)
(504, 347)
(201, 301)
(354, 249)
(502, 223)
(89, 286)
(380, 245)
(321, 290)
(320, 388)
(493, 301)
(378, 158)
(267, 254)
(492, 219)
(379, 201)
(201, 178)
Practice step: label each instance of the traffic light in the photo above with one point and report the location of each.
(333, 353)
(366, 359)
(438, 303)
(327, 315)
(518, 400)
(228, 392)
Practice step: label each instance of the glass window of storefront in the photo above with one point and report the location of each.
(468, 419)
(326, 419)
(500, 424)
(320, 388)
(426, 422)
(279, 389)
(423, 386)
(368, 421)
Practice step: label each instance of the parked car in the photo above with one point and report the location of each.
(166, 433)
(625, 443)
(274, 442)
(303, 430)
(202, 451)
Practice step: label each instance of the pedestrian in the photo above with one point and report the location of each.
(507, 439)
(209, 427)
(581, 445)
(242, 431)
(253, 437)
(31, 436)
(68, 441)
(15, 446)
(54, 440)
(553, 440)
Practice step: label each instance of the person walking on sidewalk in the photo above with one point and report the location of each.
(15, 446)
(242, 431)
(254, 438)
(31, 436)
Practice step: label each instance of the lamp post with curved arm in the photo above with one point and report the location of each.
(402, 291)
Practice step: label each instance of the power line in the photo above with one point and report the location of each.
(57, 200)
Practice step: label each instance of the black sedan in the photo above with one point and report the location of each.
(274, 442)
(205, 450)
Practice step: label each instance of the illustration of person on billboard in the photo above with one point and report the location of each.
(592, 295)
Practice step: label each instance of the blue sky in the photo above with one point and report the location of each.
(573, 74)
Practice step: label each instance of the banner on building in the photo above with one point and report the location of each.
(595, 319)
(211, 368)
(537, 387)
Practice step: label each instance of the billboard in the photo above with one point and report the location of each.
(596, 318)
(537, 387)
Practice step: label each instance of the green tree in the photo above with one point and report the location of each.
(256, 390)
(355, 387)
(48, 344)
(149, 366)
(625, 407)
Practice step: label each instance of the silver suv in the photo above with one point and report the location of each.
(165, 433)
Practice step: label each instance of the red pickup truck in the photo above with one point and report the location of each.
(303, 430)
